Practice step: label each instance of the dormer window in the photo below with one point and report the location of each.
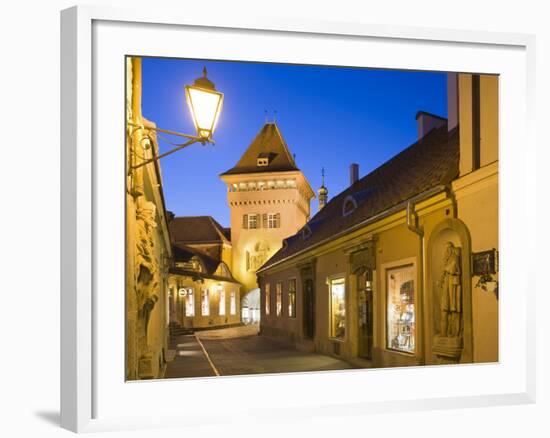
(349, 206)
(306, 232)
(263, 159)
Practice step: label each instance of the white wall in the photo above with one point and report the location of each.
(29, 93)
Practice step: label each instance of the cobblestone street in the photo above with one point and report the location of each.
(238, 351)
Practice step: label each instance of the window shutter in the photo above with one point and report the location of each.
(278, 220)
(245, 221)
(264, 220)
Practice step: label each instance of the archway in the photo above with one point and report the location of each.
(250, 307)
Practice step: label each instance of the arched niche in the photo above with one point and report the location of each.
(448, 298)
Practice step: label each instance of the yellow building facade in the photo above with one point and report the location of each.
(202, 291)
(401, 268)
(148, 248)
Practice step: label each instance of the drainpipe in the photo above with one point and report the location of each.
(412, 224)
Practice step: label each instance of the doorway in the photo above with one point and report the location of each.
(365, 314)
(309, 309)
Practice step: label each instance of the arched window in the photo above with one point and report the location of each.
(349, 205)
(223, 270)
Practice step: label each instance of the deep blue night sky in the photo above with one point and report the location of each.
(329, 117)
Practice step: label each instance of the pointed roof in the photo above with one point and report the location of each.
(269, 143)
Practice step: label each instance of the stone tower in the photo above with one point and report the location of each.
(323, 192)
(269, 198)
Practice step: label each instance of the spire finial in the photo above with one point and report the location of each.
(274, 116)
(204, 71)
(323, 175)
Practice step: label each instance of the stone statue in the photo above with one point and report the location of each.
(451, 293)
(147, 281)
(147, 309)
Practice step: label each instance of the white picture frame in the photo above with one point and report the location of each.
(83, 376)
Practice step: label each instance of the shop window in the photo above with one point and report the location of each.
(232, 303)
(337, 308)
(267, 299)
(400, 308)
(190, 303)
(221, 293)
(279, 298)
(205, 303)
(292, 298)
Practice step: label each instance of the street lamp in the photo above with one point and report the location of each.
(205, 104)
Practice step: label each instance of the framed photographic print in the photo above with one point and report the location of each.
(315, 206)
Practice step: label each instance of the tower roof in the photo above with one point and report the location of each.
(268, 144)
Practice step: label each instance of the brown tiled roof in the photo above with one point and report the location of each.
(426, 164)
(269, 143)
(197, 229)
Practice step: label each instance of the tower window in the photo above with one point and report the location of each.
(272, 220)
(262, 161)
(252, 221)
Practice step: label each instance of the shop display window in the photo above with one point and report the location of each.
(292, 298)
(279, 298)
(267, 299)
(190, 303)
(232, 303)
(205, 303)
(222, 301)
(401, 334)
(338, 308)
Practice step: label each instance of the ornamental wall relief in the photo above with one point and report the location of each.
(258, 256)
(147, 281)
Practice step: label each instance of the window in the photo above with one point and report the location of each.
(205, 303)
(222, 270)
(221, 292)
(279, 298)
(400, 308)
(337, 308)
(232, 303)
(272, 220)
(252, 221)
(262, 161)
(292, 298)
(190, 303)
(267, 298)
(349, 206)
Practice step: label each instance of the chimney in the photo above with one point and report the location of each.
(353, 173)
(426, 122)
(452, 100)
